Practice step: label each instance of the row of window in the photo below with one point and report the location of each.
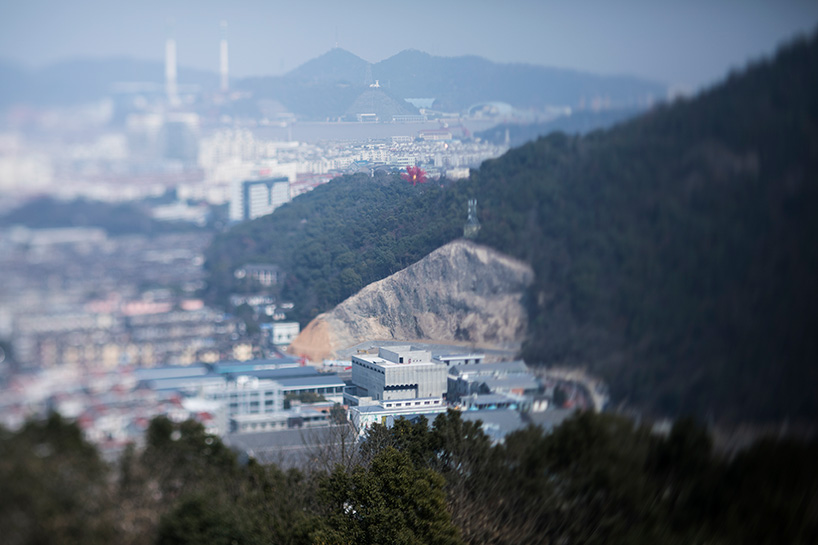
(370, 367)
(411, 403)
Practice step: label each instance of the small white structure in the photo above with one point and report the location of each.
(283, 333)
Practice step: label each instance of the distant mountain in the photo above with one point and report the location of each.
(459, 82)
(455, 84)
(381, 103)
(674, 254)
(335, 66)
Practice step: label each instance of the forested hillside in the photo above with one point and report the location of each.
(675, 254)
(597, 479)
(340, 237)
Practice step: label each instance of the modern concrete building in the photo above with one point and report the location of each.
(396, 373)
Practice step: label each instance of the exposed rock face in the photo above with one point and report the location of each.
(459, 292)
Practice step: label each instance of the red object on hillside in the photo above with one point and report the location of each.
(416, 175)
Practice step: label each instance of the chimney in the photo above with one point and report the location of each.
(170, 72)
(225, 81)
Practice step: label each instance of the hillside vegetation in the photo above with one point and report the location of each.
(675, 254)
(597, 479)
(340, 237)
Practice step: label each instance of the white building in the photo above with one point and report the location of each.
(398, 373)
(283, 333)
(386, 412)
(256, 198)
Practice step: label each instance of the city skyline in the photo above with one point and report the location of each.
(686, 45)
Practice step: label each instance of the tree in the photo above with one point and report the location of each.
(391, 501)
(53, 486)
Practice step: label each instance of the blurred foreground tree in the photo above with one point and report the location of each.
(53, 487)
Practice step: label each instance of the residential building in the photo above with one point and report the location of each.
(256, 198)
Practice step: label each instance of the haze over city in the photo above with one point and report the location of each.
(682, 44)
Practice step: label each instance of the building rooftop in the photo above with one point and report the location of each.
(285, 363)
(489, 369)
(175, 371)
(323, 380)
(527, 382)
(408, 406)
(497, 423)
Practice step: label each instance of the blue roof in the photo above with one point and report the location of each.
(321, 381)
(181, 383)
(174, 371)
(256, 365)
(277, 374)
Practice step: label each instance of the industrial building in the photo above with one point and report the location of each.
(396, 373)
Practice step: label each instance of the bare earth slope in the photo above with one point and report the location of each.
(459, 292)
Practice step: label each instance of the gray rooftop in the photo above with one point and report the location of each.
(526, 382)
(551, 418)
(317, 380)
(481, 369)
(496, 423)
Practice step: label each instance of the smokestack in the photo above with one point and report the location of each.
(170, 72)
(225, 81)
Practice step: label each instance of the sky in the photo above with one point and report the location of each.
(685, 44)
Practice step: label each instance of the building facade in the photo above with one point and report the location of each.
(398, 372)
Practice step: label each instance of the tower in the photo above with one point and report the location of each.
(223, 66)
(170, 72)
(472, 224)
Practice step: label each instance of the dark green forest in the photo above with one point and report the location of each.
(675, 255)
(595, 479)
(340, 237)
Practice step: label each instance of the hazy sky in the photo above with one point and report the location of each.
(686, 43)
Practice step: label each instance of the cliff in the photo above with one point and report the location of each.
(459, 292)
